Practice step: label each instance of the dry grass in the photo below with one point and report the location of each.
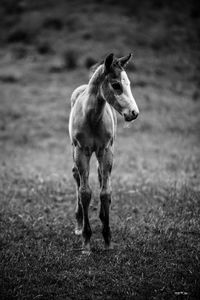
(155, 231)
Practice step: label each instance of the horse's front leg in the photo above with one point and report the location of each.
(79, 211)
(82, 159)
(105, 159)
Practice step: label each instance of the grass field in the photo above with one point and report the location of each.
(155, 212)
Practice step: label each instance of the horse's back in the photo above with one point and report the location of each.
(76, 93)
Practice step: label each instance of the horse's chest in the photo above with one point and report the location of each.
(90, 131)
(94, 136)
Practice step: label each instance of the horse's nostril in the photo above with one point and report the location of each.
(135, 114)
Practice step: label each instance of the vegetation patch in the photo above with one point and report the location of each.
(156, 253)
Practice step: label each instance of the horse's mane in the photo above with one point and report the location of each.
(94, 68)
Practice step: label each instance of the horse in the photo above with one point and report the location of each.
(92, 129)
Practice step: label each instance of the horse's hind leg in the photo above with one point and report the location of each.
(79, 211)
(82, 159)
(105, 159)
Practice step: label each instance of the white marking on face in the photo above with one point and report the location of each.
(126, 99)
(124, 78)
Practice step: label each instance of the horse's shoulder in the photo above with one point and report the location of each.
(76, 93)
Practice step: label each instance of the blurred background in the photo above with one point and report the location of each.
(47, 49)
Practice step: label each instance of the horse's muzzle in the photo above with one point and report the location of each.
(131, 116)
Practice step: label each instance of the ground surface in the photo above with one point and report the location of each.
(155, 222)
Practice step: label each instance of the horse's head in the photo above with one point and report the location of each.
(116, 87)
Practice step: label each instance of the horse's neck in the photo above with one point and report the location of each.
(95, 103)
(96, 80)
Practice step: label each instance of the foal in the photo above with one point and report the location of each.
(92, 128)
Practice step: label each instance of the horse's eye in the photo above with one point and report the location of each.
(117, 86)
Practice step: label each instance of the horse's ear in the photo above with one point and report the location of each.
(108, 62)
(125, 60)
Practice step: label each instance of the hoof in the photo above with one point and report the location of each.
(78, 231)
(110, 246)
(86, 249)
(86, 252)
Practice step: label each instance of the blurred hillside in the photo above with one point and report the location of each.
(93, 28)
(47, 48)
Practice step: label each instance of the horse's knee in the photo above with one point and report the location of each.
(85, 195)
(105, 196)
(85, 191)
(74, 170)
(76, 175)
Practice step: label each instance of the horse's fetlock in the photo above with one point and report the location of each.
(106, 234)
(85, 195)
(87, 233)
